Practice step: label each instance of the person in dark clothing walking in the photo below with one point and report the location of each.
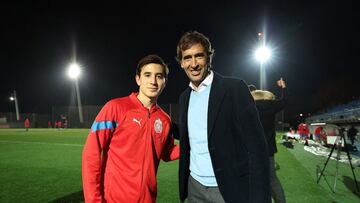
(267, 107)
(352, 132)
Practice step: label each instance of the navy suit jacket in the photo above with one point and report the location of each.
(236, 142)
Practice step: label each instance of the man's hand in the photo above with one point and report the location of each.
(281, 83)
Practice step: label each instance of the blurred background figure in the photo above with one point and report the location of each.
(303, 131)
(352, 133)
(317, 134)
(59, 124)
(27, 124)
(268, 106)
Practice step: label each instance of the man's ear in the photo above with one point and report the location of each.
(137, 79)
(181, 65)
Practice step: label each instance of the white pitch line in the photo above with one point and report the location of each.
(43, 143)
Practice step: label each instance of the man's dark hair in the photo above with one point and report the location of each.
(152, 58)
(191, 38)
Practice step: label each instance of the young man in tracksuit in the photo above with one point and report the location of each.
(127, 140)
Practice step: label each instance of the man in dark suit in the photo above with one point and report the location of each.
(223, 151)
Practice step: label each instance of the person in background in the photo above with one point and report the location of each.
(303, 131)
(223, 154)
(65, 124)
(127, 140)
(306, 131)
(59, 124)
(268, 106)
(27, 124)
(317, 134)
(292, 131)
(352, 133)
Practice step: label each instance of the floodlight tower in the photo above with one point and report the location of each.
(74, 73)
(14, 98)
(262, 55)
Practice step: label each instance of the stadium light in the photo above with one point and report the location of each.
(262, 55)
(14, 98)
(74, 73)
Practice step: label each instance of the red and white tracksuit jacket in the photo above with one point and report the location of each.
(123, 150)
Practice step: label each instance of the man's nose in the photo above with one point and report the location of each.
(193, 62)
(153, 80)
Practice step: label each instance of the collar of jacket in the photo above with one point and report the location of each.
(137, 102)
(216, 96)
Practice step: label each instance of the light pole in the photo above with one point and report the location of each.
(14, 98)
(262, 54)
(74, 73)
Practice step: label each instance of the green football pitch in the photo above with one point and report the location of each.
(44, 165)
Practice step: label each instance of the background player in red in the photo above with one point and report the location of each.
(317, 133)
(59, 124)
(127, 140)
(27, 124)
(303, 131)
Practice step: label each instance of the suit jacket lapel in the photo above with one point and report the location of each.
(185, 104)
(217, 93)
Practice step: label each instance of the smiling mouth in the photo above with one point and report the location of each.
(195, 72)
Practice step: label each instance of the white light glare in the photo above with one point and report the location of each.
(262, 54)
(317, 124)
(12, 98)
(74, 71)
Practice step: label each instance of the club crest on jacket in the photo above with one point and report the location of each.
(158, 126)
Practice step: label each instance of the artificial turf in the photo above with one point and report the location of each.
(44, 165)
(298, 174)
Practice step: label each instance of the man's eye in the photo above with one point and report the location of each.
(160, 76)
(200, 56)
(187, 58)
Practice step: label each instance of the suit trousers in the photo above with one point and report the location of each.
(198, 193)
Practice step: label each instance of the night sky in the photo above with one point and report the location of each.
(314, 46)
